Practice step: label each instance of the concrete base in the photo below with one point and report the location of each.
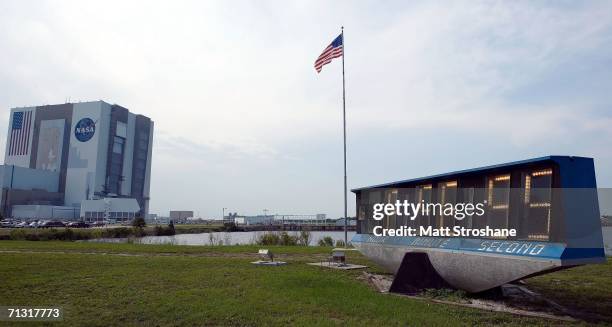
(268, 263)
(333, 265)
(467, 270)
(416, 274)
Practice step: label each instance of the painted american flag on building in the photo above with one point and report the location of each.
(20, 133)
(334, 50)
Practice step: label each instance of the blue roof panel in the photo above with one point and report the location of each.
(467, 171)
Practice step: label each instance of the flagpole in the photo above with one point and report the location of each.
(344, 128)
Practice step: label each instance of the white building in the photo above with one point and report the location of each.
(97, 149)
(278, 219)
(253, 220)
(109, 209)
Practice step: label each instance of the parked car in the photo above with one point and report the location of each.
(78, 224)
(49, 224)
(6, 224)
(34, 224)
(98, 224)
(22, 225)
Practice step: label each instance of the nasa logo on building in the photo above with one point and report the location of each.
(85, 129)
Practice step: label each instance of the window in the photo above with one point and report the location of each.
(406, 194)
(447, 194)
(373, 197)
(423, 194)
(498, 200)
(118, 143)
(467, 196)
(391, 198)
(121, 129)
(114, 177)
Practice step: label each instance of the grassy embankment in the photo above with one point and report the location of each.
(586, 289)
(199, 285)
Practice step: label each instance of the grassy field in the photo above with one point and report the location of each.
(587, 289)
(129, 284)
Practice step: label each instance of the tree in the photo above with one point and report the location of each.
(139, 222)
(171, 230)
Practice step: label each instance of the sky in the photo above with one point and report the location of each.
(244, 122)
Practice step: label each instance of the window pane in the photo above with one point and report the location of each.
(447, 194)
(498, 200)
(118, 145)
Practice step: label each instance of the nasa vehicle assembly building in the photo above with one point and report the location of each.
(78, 153)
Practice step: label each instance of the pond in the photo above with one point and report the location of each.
(233, 238)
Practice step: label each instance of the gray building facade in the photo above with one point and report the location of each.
(99, 150)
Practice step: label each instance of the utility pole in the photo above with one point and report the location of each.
(344, 130)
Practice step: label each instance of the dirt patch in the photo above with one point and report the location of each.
(514, 299)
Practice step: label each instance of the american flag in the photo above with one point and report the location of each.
(20, 133)
(334, 50)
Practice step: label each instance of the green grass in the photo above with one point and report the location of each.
(155, 248)
(587, 288)
(100, 284)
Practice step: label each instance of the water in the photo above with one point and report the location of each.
(250, 237)
(234, 238)
(607, 236)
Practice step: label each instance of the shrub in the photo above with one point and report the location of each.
(164, 231)
(66, 235)
(83, 234)
(211, 239)
(69, 234)
(97, 233)
(304, 238)
(33, 237)
(121, 232)
(268, 239)
(340, 244)
(229, 227)
(286, 239)
(277, 239)
(46, 234)
(138, 232)
(18, 234)
(326, 241)
(139, 222)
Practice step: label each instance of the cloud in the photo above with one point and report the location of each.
(234, 95)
